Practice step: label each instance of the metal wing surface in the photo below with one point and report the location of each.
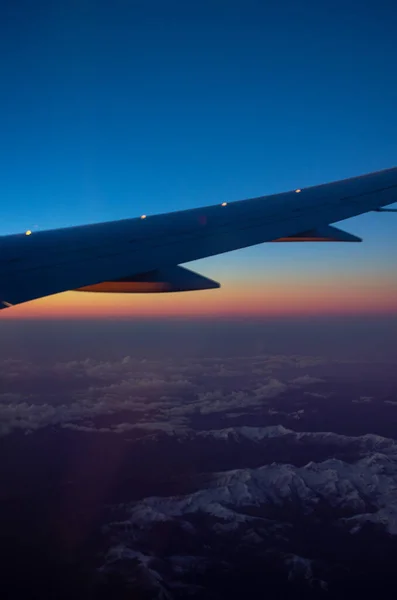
(149, 249)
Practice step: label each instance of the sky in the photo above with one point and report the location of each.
(113, 109)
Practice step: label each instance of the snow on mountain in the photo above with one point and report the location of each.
(364, 443)
(251, 433)
(258, 513)
(365, 490)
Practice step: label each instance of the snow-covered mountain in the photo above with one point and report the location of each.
(365, 490)
(263, 513)
(363, 443)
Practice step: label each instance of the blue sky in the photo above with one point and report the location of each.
(113, 109)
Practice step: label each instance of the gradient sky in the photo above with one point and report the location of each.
(113, 109)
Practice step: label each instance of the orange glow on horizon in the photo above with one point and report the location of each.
(234, 299)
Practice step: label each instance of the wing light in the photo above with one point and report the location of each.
(298, 191)
(224, 204)
(28, 232)
(143, 216)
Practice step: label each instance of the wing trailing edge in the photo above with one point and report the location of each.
(171, 279)
(328, 233)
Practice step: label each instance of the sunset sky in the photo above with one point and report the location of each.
(111, 110)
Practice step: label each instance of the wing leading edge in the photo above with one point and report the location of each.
(48, 262)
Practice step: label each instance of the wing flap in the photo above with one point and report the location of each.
(328, 233)
(172, 279)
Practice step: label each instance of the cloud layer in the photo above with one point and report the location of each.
(155, 395)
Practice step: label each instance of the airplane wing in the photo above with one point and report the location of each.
(143, 254)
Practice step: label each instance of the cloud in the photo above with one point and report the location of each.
(30, 416)
(272, 388)
(175, 426)
(156, 394)
(219, 401)
(363, 399)
(316, 395)
(306, 380)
